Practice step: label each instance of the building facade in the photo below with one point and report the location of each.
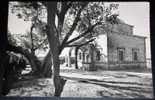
(117, 48)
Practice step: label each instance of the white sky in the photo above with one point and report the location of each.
(137, 14)
(133, 13)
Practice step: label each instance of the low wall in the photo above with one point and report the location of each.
(101, 65)
(116, 65)
(127, 65)
(98, 65)
(149, 64)
(85, 66)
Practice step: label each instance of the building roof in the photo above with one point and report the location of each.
(120, 21)
(144, 37)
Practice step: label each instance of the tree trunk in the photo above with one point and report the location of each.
(54, 44)
(76, 55)
(69, 59)
(39, 69)
(92, 65)
(33, 60)
(58, 81)
(47, 65)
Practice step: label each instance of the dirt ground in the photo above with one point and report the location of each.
(116, 84)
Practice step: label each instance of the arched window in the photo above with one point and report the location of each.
(98, 55)
(80, 55)
(83, 56)
(121, 52)
(135, 54)
(87, 57)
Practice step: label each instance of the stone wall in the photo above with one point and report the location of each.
(128, 42)
(127, 65)
(123, 28)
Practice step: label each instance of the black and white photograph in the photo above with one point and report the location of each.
(77, 49)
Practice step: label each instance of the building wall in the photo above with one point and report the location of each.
(102, 43)
(85, 61)
(129, 42)
(120, 36)
(149, 63)
(102, 47)
(123, 28)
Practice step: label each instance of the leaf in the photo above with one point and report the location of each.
(27, 44)
(19, 15)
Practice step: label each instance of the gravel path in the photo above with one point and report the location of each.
(116, 84)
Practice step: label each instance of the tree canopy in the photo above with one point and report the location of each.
(71, 16)
(58, 21)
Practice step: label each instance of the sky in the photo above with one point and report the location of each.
(138, 15)
(133, 13)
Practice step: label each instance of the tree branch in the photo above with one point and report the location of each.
(79, 45)
(61, 15)
(85, 33)
(63, 12)
(74, 24)
(30, 57)
(44, 3)
(31, 35)
(73, 27)
(40, 44)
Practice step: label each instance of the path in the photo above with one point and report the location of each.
(116, 84)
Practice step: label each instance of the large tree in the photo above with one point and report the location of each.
(81, 16)
(78, 9)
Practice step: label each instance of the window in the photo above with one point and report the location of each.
(80, 55)
(83, 56)
(135, 54)
(98, 55)
(121, 52)
(87, 57)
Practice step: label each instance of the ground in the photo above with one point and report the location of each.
(120, 84)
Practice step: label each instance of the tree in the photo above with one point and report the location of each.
(54, 33)
(33, 39)
(94, 13)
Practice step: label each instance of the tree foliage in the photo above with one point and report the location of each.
(59, 20)
(80, 16)
(34, 12)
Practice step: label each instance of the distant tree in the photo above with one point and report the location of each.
(35, 38)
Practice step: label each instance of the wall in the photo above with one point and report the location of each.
(102, 46)
(123, 28)
(101, 41)
(128, 42)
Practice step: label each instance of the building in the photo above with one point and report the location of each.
(115, 48)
